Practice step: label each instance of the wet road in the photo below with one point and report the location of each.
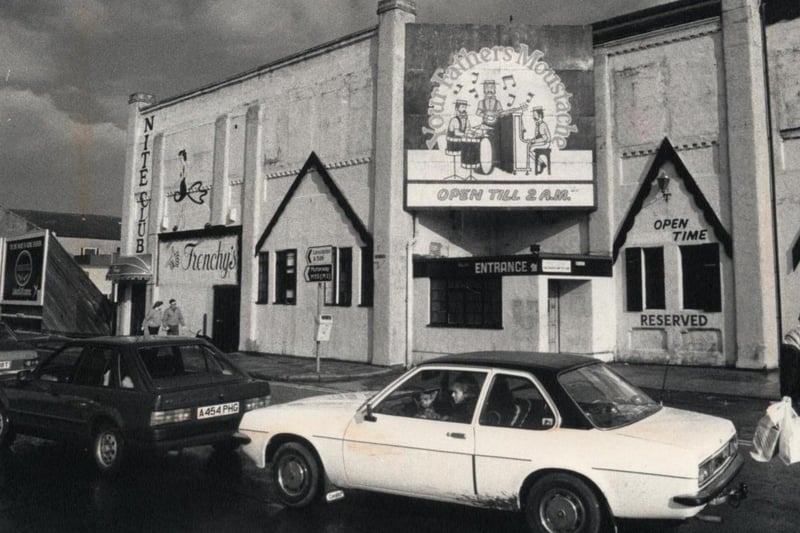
(46, 486)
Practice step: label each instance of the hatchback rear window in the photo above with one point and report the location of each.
(184, 364)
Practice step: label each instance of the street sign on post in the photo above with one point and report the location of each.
(319, 255)
(318, 273)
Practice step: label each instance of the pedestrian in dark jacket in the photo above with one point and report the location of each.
(173, 318)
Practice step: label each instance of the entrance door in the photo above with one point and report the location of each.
(553, 316)
(225, 332)
(138, 299)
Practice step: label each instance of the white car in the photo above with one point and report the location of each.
(561, 437)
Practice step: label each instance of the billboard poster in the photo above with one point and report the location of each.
(24, 269)
(202, 262)
(499, 117)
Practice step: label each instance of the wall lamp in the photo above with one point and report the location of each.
(663, 185)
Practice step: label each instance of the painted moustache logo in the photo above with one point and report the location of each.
(194, 192)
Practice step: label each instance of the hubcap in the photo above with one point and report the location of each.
(107, 448)
(561, 512)
(292, 476)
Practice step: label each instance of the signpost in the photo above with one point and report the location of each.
(319, 269)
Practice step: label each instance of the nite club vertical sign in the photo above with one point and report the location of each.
(141, 193)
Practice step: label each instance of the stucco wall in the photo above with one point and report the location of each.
(668, 84)
(783, 40)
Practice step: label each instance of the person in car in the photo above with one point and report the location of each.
(464, 396)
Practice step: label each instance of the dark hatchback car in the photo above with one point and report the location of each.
(117, 393)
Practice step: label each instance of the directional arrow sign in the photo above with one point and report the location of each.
(319, 255)
(318, 273)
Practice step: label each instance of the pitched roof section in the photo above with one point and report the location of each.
(666, 153)
(313, 163)
(78, 226)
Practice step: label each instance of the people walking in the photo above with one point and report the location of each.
(152, 322)
(173, 318)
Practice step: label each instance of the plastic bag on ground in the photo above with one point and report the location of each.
(768, 430)
(789, 441)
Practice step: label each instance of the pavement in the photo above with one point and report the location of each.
(763, 384)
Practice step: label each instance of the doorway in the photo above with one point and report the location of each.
(225, 329)
(569, 304)
(138, 301)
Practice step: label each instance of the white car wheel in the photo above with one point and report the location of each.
(297, 475)
(561, 503)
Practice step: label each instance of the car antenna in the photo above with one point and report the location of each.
(664, 381)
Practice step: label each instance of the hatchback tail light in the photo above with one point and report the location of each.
(256, 403)
(158, 418)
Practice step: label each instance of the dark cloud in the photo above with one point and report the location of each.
(67, 69)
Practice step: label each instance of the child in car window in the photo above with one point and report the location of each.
(425, 407)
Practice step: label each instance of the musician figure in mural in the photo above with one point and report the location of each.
(458, 131)
(539, 144)
(489, 108)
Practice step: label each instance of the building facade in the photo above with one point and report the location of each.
(625, 190)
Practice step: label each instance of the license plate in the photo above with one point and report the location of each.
(222, 409)
(5, 365)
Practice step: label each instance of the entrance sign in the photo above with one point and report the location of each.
(318, 273)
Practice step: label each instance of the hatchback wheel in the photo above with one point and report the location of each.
(6, 431)
(297, 475)
(561, 503)
(108, 448)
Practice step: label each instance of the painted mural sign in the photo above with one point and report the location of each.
(504, 126)
(141, 195)
(200, 261)
(187, 194)
(24, 270)
(680, 230)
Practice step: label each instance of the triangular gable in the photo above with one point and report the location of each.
(313, 163)
(666, 153)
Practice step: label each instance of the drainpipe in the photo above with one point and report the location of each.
(409, 301)
(770, 144)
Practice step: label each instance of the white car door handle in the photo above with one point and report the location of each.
(456, 435)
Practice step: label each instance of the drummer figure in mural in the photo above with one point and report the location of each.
(464, 141)
(539, 144)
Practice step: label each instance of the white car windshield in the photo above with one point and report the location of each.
(606, 399)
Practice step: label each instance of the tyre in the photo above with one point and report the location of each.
(562, 503)
(108, 447)
(6, 431)
(297, 475)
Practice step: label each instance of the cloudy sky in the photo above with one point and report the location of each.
(67, 69)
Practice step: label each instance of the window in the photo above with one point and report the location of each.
(432, 394)
(366, 276)
(89, 250)
(94, 369)
(61, 367)
(340, 290)
(468, 302)
(515, 402)
(701, 278)
(286, 277)
(644, 275)
(263, 278)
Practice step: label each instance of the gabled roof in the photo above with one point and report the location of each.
(314, 164)
(77, 226)
(666, 153)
